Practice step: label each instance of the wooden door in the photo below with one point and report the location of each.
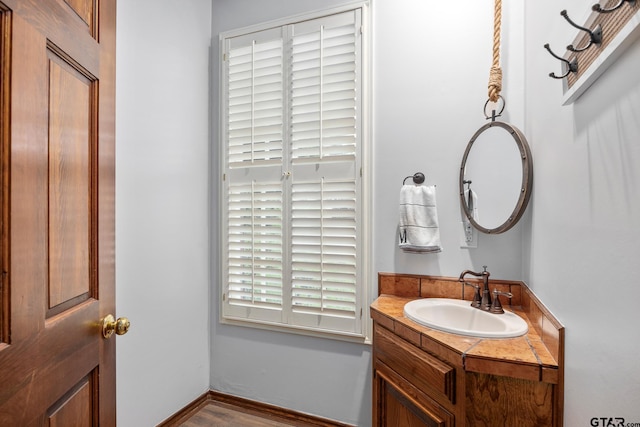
(57, 195)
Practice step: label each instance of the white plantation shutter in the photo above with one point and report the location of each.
(254, 95)
(292, 153)
(324, 247)
(324, 257)
(323, 88)
(255, 245)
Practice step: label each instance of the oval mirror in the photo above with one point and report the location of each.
(496, 177)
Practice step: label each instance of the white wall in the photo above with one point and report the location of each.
(431, 69)
(162, 224)
(585, 235)
(430, 79)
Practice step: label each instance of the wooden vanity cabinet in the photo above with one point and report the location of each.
(413, 388)
(424, 377)
(410, 386)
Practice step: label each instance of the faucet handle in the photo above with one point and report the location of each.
(476, 296)
(496, 306)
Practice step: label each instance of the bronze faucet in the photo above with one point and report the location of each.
(485, 301)
(476, 295)
(496, 307)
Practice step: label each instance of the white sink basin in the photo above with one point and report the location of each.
(458, 317)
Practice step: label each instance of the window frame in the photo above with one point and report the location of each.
(365, 287)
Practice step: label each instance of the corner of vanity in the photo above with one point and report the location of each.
(425, 377)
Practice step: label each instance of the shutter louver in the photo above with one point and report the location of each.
(324, 248)
(323, 91)
(255, 245)
(255, 115)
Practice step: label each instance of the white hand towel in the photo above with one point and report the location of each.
(419, 231)
(472, 203)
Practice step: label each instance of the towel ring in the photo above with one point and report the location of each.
(418, 178)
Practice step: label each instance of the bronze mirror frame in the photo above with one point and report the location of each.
(527, 178)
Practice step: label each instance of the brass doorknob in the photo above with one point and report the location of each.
(111, 325)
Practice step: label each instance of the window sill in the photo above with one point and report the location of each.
(277, 327)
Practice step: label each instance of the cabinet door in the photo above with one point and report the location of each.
(398, 404)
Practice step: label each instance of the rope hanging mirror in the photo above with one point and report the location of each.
(496, 173)
(495, 73)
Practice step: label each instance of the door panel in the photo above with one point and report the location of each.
(85, 10)
(70, 153)
(401, 411)
(398, 403)
(76, 408)
(58, 246)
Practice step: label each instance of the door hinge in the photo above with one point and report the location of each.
(224, 297)
(361, 313)
(224, 56)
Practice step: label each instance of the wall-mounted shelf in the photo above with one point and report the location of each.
(620, 29)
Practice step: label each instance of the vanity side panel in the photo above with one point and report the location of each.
(559, 390)
(500, 401)
(548, 327)
(532, 310)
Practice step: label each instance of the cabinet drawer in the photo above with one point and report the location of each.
(414, 364)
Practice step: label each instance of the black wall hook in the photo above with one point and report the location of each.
(595, 35)
(597, 8)
(572, 66)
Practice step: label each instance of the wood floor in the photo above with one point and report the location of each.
(216, 409)
(220, 414)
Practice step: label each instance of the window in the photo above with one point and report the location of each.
(293, 188)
